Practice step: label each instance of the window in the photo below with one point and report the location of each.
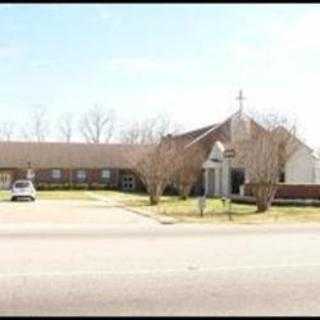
(21, 185)
(56, 173)
(128, 182)
(81, 174)
(105, 174)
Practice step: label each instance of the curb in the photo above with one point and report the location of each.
(159, 218)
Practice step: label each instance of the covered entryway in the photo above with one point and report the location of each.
(5, 180)
(216, 172)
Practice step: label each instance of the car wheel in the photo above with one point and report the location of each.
(13, 199)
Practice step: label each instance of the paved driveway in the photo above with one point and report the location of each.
(68, 212)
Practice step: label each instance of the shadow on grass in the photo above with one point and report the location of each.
(5, 200)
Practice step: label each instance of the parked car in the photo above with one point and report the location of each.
(23, 189)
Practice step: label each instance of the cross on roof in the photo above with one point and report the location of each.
(240, 97)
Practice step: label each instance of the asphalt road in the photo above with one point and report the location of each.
(153, 269)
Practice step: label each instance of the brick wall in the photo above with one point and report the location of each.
(293, 191)
(92, 176)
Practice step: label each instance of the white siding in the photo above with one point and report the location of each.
(301, 168)
(317, 171)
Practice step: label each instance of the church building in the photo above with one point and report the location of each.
(222, 177)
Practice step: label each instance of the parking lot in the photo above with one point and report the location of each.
(67, 212)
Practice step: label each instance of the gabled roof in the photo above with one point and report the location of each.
(68, 155)
(195, 133)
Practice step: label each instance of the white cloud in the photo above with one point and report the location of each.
(135, 64)
(144, 64)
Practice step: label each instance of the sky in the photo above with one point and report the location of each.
(185, 60)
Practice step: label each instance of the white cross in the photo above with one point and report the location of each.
(240, 98)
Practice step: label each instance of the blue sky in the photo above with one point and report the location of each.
(188, 61)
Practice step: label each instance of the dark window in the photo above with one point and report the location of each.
(282, 176)
(237, 179)
(22, 185)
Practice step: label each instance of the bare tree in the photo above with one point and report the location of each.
(189, 168)
(65, 126)
(97, 125)
(157, 161)
(6, 130)
(37, 127)
(265, 153)
(148, 131)
(157, 167)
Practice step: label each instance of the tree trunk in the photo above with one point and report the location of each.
(154, 199)
(264, 194)
(262, 205)
(184, 191)
(70, 178)
(155, 194)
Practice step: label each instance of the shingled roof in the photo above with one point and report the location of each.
(68, 155)
(196, 133)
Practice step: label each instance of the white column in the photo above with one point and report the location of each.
(217, 181)
(206, 183)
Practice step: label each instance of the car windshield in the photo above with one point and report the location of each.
(22, 185)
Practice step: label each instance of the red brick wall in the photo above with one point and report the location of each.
(293, 191)
(93, 176)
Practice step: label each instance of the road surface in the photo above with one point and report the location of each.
(152, 269)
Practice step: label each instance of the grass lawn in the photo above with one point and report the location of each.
(54, 195)
(187, 210)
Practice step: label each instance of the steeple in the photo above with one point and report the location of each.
(240, 97)
(240, 124)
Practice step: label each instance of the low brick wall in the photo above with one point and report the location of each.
(293, 191)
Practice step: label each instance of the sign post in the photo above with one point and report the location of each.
(30, 173)
(202, 204)
(229, 154)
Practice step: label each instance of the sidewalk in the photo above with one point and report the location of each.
(149, 214)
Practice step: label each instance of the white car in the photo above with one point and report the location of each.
(23, 189)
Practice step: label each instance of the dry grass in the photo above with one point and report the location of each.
(187, 210)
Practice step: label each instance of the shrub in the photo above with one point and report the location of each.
(81, 186)
(50, 186)
(97, 186)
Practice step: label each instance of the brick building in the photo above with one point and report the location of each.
(79, 164)
(300, 179)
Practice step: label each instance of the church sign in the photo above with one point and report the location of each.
(229, 153)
